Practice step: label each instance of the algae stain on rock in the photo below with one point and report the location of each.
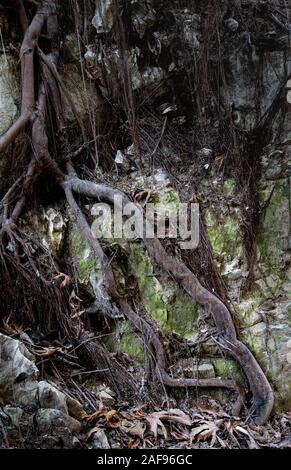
(166, 304)
(223, 234)
(275, 229)
(131, 344)
(86, 265)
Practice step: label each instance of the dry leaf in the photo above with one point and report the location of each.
(9, 327)
(112, 415)
(135, 428)
(66, 279)
(94, 416)
(156, 423)
(46, 352)
(133, 444)
(252, 443)
(154, 419)
(208, 429)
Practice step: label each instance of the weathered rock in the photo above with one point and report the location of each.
(50, 421)
(205, 371)
(75, 409)
(106, 398)
(50, 397)
(231, 24)
(105, 394)
(143, 16)
(104, 16)
(50, 225)
(100, 440)
(9, 91)
(240, 92)
(14, 414)
(82, 94)
(18, 373)
(9, 106)
(20, 388)
(191, 28)
(72, 48)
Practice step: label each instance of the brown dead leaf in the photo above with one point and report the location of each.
(156, 425)
(94, 416)
(9, 327)
(112, 418)
(133, 444)
(139, 414)
(206, 409)
(66, 279)
(205, 431)
(219, 160)
(46, 352)
(135, 428)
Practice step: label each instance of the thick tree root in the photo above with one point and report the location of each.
(117, 376)
(89, 349)
(263, 398)
(140, 323)
(27, 72)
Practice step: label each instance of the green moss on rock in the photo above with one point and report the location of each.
(131, 344)
(166, 304)
(228, 369)
(275, 227)
(223, 234)
(85, 263)
(228, 187)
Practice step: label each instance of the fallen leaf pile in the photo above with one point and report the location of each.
(205, 428)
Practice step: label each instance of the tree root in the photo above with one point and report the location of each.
(262, 394)
(140, 323)
(27, 73)
(94, 352)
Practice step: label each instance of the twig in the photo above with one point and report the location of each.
(58, 78)
(96, 371)
(161, 136)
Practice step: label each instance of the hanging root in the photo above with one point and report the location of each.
(262, 394)
(27, 72)
(140, 323)
(19, 258)
(91, 350)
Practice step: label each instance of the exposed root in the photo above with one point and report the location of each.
(262, 393)
(27, 73)
(138, 322)
(91, 350)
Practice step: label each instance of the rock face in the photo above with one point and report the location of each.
(256, 66)
(21, 395)
(9, 91)
(104, 16)
(255, 70)
(49, 224)
(9, 102)
(18, 373)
